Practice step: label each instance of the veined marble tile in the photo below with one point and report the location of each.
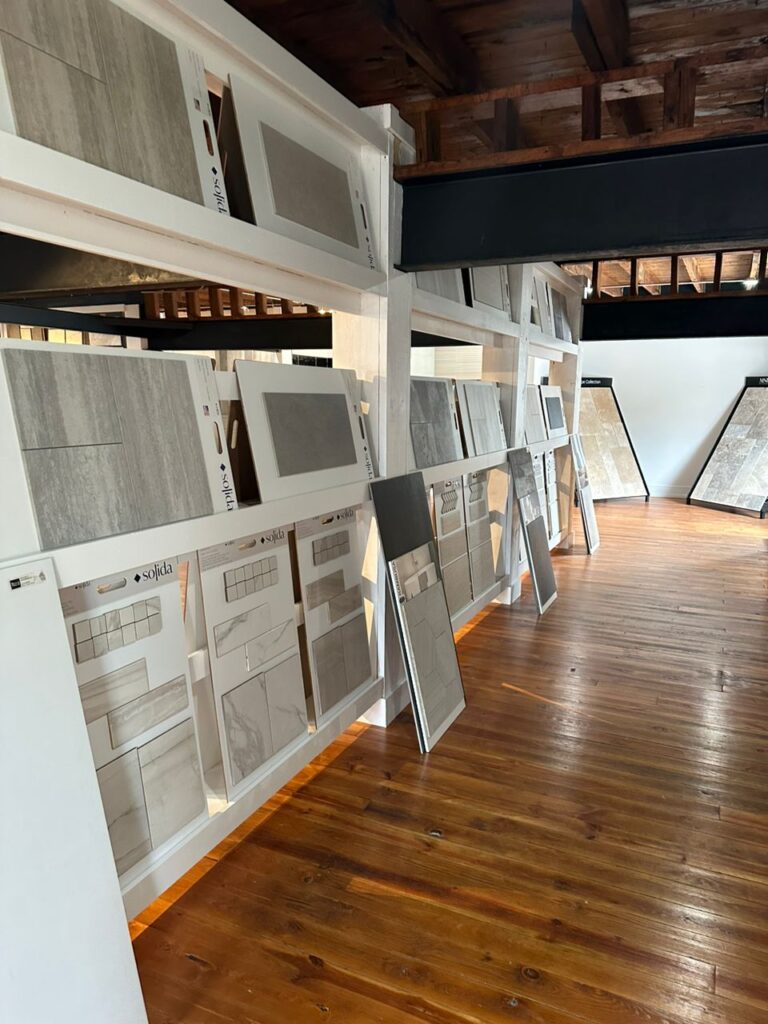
(247, 728)
(357, 654)
(330, 668)
(310, 432)
(113, 690)
(322, 590)
(122, 795)
(170, 775)
(270, 644)
(150, 709)
(286, 702)
(344, 604)
(236, 632)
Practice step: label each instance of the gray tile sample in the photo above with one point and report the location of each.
(122, 796)
(332, 546)
(540, 561)
(458, 591)
(330, 668)
(310, 432)
(307, 189)
(161, 439)
(344, 604)
(322, 590)
(434, 430)
(535, 427)
(250, 578)
(479, 533)
(247, 728)
(482, 569)
(128, 722)
(170, 775)
(80, 493)
(485, 427)
(357, 654)
(270, 644)
(286, 702)
(236, 632)
(114, 689)
(72, 39)
(489, 287)
(452, 547)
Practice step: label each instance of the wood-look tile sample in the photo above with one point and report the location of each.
(72, 39)
(147, 97)
(736, 474)
(122, 795)
(246, 723)
(328, 651)
(80, 493)
(357, 654)
(170, 775)
(286, 702)
(161, 439)
(310, 432)
(434, 428)
(458, 590)
(322, 590)
(113, 690)
(128, 722)
(613, 470)
(237, 631)
(270, 644)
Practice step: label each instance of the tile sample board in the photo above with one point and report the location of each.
(554, 414)
(735, 475)
(549, 461)
(584, 495)
(98, 442)
(253, 649)
(482, 564)
(90, 80)
(561, 322)
(298, 177)
(421, 611)
(306, 428)
(435, 435)
(126, 636)
(452, 549)
(489, 288)
(534, 528)
(446, 283)
(535, 427)
(330, 551)
(482, 425)
(614, 471)
(543, 304)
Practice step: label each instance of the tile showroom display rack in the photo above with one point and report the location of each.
(56, 198)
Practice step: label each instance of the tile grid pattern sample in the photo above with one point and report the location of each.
(326, 549)
(250, 578)
(736, 474)
(452, 544)
(482, 568)
(613, 469)
(434, 427)
(117, 628)
(90, 80)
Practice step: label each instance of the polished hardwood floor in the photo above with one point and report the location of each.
(589, 842)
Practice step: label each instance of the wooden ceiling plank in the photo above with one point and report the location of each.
(691, 266)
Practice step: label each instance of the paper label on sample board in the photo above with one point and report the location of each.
(122, 586)
(212, 433)
(237, 550)
(353, 391)
(319, 524)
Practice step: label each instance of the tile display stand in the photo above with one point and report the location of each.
(614, 468)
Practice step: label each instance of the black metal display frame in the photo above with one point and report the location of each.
(607, 382)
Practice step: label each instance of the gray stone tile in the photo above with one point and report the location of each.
(247, 728)
(344, 604)
(330, 668)
(170, 775)
(310, 432)
(458, 591)
(433, 424)
(357, 655)
(122, 796)
(130, 721)
(61, 30)
(482, 569)
(452, 547)
(322, 590)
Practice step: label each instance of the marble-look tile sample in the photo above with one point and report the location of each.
(286, 702)
(251, 578)
(113, 690)
(170, 775)
(613, 469)
(128, 722)
(332, 546)
(247, 727)
(344, 604)
(310, 432)
(458, 590)
(237, 631)
(331, 671)
(322, 590)
(122, 795)
(357, 654)
(270, 644)
(434, 426)
(535, 427)
(481, 416)
(736, 474)
(115, 629)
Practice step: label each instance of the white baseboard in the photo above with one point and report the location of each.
(386, 709)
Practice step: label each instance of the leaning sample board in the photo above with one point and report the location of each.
(97, 442)
(584, 494)
(452, 547)
(305, 426)
(534, 528)
(535, 427)
(253, 647)
(489, 288)
(481, 422)
(126, 636)
(330, 550)
(435, 435)
(614, 471)
(482, 564)
(90, 80)
(735, 476)
(421, 611)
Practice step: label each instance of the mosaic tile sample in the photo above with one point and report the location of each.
(736, 473)
(613, 469)
(248, 579)
(326, 549)
(434, 425)
(115, 629)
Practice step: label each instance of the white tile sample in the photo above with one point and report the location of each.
(286, 702)
(111, 691)
(247, 727)
(533, 527)
(480, 405)
(122, 795)
(479, 540)
(170, 775)
(130, 721)
(237, 631)
(446, 283)
(452, 543)
(435, 436)
(269, 645)
(584, 494)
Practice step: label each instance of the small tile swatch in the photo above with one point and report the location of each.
(115, 629)
(326, 549)
(249, 579)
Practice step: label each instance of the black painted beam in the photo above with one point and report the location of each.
(715, 316)
(640, 202)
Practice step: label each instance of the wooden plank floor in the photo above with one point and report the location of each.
(589, 842)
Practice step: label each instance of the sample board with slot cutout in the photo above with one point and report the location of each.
(126, 636)
(435, 435)
(584, 494)
(97, 442)
(305, 427)
(482, 425)
(451, 533)
(253, 648)
(421, 612)
(534, 528)
(614, 471)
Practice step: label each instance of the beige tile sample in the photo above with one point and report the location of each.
(357, 655)
(72, 39)
(122, 795)
(145, 712)
(322, 590)
(170, 774)
(613, 470)
(344, 604)
(331, 670)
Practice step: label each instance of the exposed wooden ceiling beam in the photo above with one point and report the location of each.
(601, 30)
(693, 271)
(431, 42)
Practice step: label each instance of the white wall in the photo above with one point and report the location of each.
(675, 396)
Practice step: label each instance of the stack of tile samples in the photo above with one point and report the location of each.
(329, 552)
(99, 442)
(127, 640)
(534, 528)
(481, 422)
(88, 79)
(736, 474)
(253, 647)
(418, 597)
(435, 436)
(613, 468)
(482, 569)
(450, 529)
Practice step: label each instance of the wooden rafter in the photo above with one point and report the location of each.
(691, 267)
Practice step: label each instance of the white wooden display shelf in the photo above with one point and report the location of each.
(449, 470)
(138, 892)
(537, 447)
(468, 613)
(434, 314)
(548, 344)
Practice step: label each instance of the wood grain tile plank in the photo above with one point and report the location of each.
(64, 31)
